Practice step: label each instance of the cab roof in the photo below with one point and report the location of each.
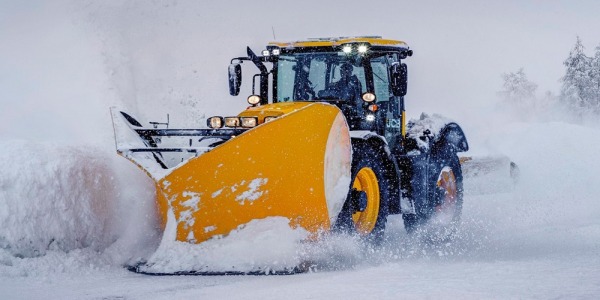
(338, 41)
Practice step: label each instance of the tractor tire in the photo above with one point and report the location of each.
(447, 199)
(440, 219)
(369, 178)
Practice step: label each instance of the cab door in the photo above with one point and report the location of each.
(390, 116)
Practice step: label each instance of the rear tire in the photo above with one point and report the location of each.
(369, 176)
(447, 199)
(440, 217)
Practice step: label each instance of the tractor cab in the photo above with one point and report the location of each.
(363, 76)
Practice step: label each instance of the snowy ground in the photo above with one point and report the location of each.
(72, 212)
(541, 240)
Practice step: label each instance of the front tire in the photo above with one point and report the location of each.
(369, 178)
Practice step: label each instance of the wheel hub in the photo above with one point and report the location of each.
(366, 183)
(359, 200)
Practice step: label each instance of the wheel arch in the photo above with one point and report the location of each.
(452, 135)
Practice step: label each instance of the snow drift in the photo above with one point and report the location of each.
(261, 245)
(57, 198)
(54, 197)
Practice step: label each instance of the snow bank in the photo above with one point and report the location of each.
(53, 197)
(60, 198)
(73, 264)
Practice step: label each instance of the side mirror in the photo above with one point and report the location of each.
(399, 80)
(235, 79)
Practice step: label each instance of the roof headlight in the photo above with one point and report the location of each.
(368, 97)
(276, 51)
(362, 48)
(253, 99)
(347, 49)
(232, 121)
(249, 122)
(214, 122)
(266, 53)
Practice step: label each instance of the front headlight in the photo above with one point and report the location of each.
(214, 122)
(253, 99)
(362, 48)
(368, 97)
(270, 118)
(232, 121)
(249, 122)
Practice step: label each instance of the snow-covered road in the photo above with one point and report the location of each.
(541, 240)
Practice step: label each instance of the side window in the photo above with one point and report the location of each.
(285, 79)
(381, 78)
(318, 70)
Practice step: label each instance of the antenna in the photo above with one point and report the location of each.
(273, 29)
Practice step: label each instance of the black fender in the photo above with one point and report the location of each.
(425, 164)
(452, 138)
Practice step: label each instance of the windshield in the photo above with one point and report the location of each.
(319, 76)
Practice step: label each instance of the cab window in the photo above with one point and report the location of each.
(381, 78)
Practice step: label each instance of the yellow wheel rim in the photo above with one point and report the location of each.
(366, 181)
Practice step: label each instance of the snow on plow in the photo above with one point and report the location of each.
(216, 181)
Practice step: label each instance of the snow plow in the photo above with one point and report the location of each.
(325, 143)
(238, 180)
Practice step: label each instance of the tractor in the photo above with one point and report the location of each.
(324, 143)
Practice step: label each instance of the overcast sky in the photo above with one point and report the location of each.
(63, 63)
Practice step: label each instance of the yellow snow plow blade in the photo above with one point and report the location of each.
(292, 166)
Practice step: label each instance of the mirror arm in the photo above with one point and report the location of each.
(264, 75)
(240, 59)
(254, 83)
(257, 61)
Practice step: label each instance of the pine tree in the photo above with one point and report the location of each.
(595, 78)
(577, 90)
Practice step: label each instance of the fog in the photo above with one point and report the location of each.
(63, 63)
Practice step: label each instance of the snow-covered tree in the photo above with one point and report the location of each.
(595, 74)
(579, 90)
(517, 90)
